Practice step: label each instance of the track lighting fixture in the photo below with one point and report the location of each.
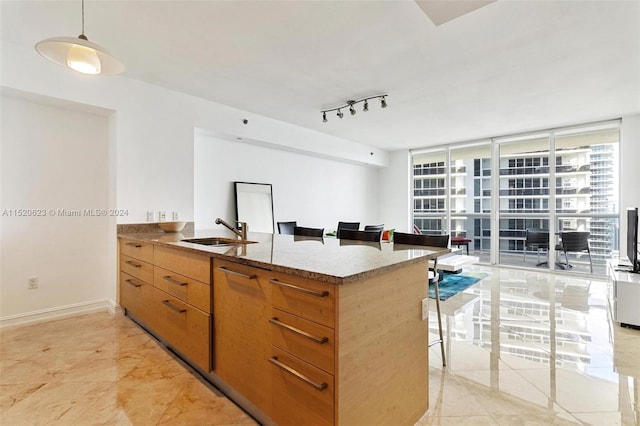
(351, 104)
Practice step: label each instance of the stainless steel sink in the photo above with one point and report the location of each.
(217, 241)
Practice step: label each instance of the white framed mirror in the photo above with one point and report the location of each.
(254, 205)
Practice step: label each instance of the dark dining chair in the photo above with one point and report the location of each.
(537, 240)
(574, 242)
(286, 227)
(351, 234)
(346, 225)
(434, 277)
(308, 232)
(374, 227)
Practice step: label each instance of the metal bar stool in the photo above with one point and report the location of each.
(434, 277)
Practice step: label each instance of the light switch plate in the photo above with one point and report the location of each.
(425, 309)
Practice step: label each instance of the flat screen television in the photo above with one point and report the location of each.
(632, 239)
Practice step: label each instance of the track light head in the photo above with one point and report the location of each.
(324, 117)
(383, 102)
(352, 110)
(366, 105)
(340, 114)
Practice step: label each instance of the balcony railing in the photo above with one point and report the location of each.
(429, 172)
(523, 191)
(429, 192)
(538, 170)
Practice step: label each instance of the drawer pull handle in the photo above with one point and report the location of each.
(320, 387)
(134, 264)
(238, 274)
(320, 340)
(173, 281)
(324, 293)
(175, 308)
(133, 283)
(136, 245)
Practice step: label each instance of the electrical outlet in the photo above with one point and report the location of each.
(162, 216)
(149, 216)
(32, 282)
(425, 309)
(174, 215)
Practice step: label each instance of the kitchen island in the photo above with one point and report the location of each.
(295, 330)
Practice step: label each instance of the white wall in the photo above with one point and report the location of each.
(394, 199)
(154, 130)
(629, 171)
(315, 192)
(54, 156)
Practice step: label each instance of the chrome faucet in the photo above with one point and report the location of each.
(241, 233)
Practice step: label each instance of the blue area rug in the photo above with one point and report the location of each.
(452, 284)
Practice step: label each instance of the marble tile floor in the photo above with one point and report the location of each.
(102, 369)
(533, 348)
(523, 348)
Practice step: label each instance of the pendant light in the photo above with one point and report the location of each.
(79, 54)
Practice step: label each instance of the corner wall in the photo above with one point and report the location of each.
(54, 173)
(394, 199)
(629, 171)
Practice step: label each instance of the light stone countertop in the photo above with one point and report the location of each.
(328, 259)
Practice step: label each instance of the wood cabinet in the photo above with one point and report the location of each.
(302, 393)
(308, 352)
(169, 291)
(242, 306)
(300, 350)
(310, 341)
(302, 357)
(136, 278)
(267, 341)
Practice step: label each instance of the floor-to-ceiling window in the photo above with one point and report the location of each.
(534, 188)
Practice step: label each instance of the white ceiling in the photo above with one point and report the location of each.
(506, 67)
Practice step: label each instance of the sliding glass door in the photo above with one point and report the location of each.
(535, 187)
(524, 196)
(470, 211)
(586, 202)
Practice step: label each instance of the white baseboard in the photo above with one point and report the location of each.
(59, 312)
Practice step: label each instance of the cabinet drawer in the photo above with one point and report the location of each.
(137, 268)
(302, 394)
(183, 262)
(305, 298)
(134, 296)
(241, 299)
(184, 327)
(137, 250)
(184, 288)
(314, 343)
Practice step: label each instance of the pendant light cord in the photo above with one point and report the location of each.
(82, 17)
